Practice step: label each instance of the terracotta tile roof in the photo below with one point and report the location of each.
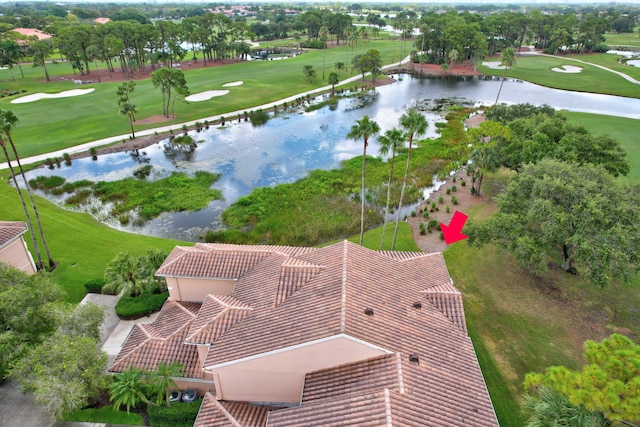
(217, 315)
(9, 230)
(29, 32)
(162, 341)
(215, 413)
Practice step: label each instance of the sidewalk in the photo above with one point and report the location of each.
(178, 126)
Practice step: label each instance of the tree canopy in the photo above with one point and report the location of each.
(609, 382)
(579, 217)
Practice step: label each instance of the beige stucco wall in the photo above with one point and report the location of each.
(201, 386)
(17, 255)
(278, 377)
(195, 290)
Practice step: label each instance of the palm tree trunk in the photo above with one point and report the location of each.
(364, 159)
(404, 184)
(40, 265)
(386, 209)
(52, 263)
(501, 83)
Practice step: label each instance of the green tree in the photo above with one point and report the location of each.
(609, 382)
(333, 81)
(370, 62)
(547, 407)
(484, 159)
(414, 124)
(309, 73)
(508, 61)
(41, 50)
(579, 214)
(8, 121)
(161, 380)
(168, 79)
(389, 142)
(323, 33)
(134, 275)
(339, 66)
(129, 388)
(363, 128)
(126, 107)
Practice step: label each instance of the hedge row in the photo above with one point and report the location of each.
(142, 305)
(177, 414)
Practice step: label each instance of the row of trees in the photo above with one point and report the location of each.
(413, 124)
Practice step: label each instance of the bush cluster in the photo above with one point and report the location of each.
(177, 414)
(142, 305)
(94, 286)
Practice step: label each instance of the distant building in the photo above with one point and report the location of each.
(13, 248)
(102, 20)
(296, 336)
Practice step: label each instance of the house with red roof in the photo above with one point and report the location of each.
(13, 248)
(333, 336)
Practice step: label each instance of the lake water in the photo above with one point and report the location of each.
(289, 145)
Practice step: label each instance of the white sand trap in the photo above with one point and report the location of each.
(567, 69)
(496, 65)
(38, 96)
(238, 83)
(205, 96)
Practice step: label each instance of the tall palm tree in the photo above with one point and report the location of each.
(550, 408)
(389, 142)
(128, 388)
(323, 33)
(508, 60)
(363, 128)
(7, 122)
(39, 264)
(121, 275)
(414, 123)
(161, 380)
(485, 159)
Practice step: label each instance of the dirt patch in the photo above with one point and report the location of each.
(431, 242)
(152, 120)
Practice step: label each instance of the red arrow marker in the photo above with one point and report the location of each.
(453, 232)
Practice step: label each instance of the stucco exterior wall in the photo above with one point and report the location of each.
(278, 377)
(200, 386)
(16, 254)
(195, 290)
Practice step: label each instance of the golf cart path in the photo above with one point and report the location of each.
(178, 126)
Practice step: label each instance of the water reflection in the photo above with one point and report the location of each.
(289, 145)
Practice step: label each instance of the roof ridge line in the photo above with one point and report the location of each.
(193, 316)
(400, 376)
(227, 414)
(343, 300)
(387, 407)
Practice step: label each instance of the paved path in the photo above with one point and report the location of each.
(113, 139)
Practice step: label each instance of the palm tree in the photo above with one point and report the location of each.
(550, 408)
(128, 388)
(333, 81)
(39, 265)
(453, 57)
(121, 275)
(508, 60)
(7, 121)
(414, 124)
(323, 32)
(390, 141)
(339, 66)
(129, 110)
(161, 380)
(363, 128)
(484, 160)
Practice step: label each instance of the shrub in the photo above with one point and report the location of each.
(413, 214)
(448, 209)
(142, 305)
(94, 153)
(177, 414)
(454, 188)
(441, 200)
(142, 172)
(454, 180)
(94, 286)
(258, 117)
(463, 183)
(454, 200)
(46, 183)
(184, 128)
(423, 229)
(183, 139)
(448, 191)
(432, 224)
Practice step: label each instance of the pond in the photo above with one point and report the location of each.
(291, 144)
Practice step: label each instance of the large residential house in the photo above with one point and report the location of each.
(13, 248)
(333, 336)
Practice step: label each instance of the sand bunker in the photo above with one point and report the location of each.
(567, 69)
(205, 96)
(38, 96)
(238, 83)
(496, 65)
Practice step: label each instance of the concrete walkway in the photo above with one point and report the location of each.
(163, 129)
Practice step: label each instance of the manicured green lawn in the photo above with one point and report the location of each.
(95, 115)
(622, 129)
(538, 69)
(106, 415)
(623, 39)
